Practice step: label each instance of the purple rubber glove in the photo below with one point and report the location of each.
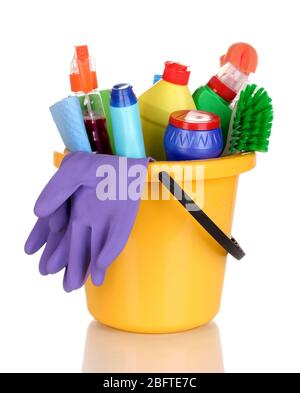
(97, 230)
(49, 230)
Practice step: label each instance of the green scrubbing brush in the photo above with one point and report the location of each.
(251, 122)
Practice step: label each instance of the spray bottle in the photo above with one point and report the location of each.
(84, 85)
(222, 88)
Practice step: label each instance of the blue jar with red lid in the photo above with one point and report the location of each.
(193, 135)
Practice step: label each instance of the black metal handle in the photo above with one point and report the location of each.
(229, 245)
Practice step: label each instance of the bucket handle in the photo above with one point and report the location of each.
(229, 244)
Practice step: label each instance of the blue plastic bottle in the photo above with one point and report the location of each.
(126, 123)
(193, 135)
(156, 78)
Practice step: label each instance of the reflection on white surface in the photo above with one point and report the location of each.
(110, 350)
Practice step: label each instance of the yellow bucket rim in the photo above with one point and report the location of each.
(212, 168)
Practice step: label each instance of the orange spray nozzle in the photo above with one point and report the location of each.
(83, 77)
(241, 55)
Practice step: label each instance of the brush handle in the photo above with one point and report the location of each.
(229, 244)
(226, 151)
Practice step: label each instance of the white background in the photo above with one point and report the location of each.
(44, 329)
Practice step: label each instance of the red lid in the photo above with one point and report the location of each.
(194, 120)
(176, 73)
(221, 89)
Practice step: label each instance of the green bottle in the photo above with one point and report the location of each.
(105, 95)
(219, 93)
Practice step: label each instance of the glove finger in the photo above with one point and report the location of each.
(53, 241)
(98, 240)
(116, 238)
(79, 258)
(59, 258)
(38, 236)
(60, 218)
(61, 186)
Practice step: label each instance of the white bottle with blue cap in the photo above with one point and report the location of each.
(126, 123)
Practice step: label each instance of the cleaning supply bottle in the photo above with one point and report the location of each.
(221, 90)
(156, 78)
(126, 123)
(193, 135)
(84, 84)
(156, 104)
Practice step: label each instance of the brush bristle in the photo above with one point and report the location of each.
(253, 119)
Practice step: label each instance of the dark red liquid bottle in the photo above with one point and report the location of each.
(97, 133)
(84, 84)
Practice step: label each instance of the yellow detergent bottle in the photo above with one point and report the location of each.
(168, 95)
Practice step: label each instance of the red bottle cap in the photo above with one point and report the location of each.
(194, 120)
(221, 89)
(176, 73)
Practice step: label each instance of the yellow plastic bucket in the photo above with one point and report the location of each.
(169, 276)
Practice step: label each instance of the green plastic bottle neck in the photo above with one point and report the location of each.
(207, 88)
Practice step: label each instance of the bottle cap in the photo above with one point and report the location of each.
(194, 120)
(241, 55)
(122, 95)
(83, 76)
(222, 89)
(176, 73)
(228, 81)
